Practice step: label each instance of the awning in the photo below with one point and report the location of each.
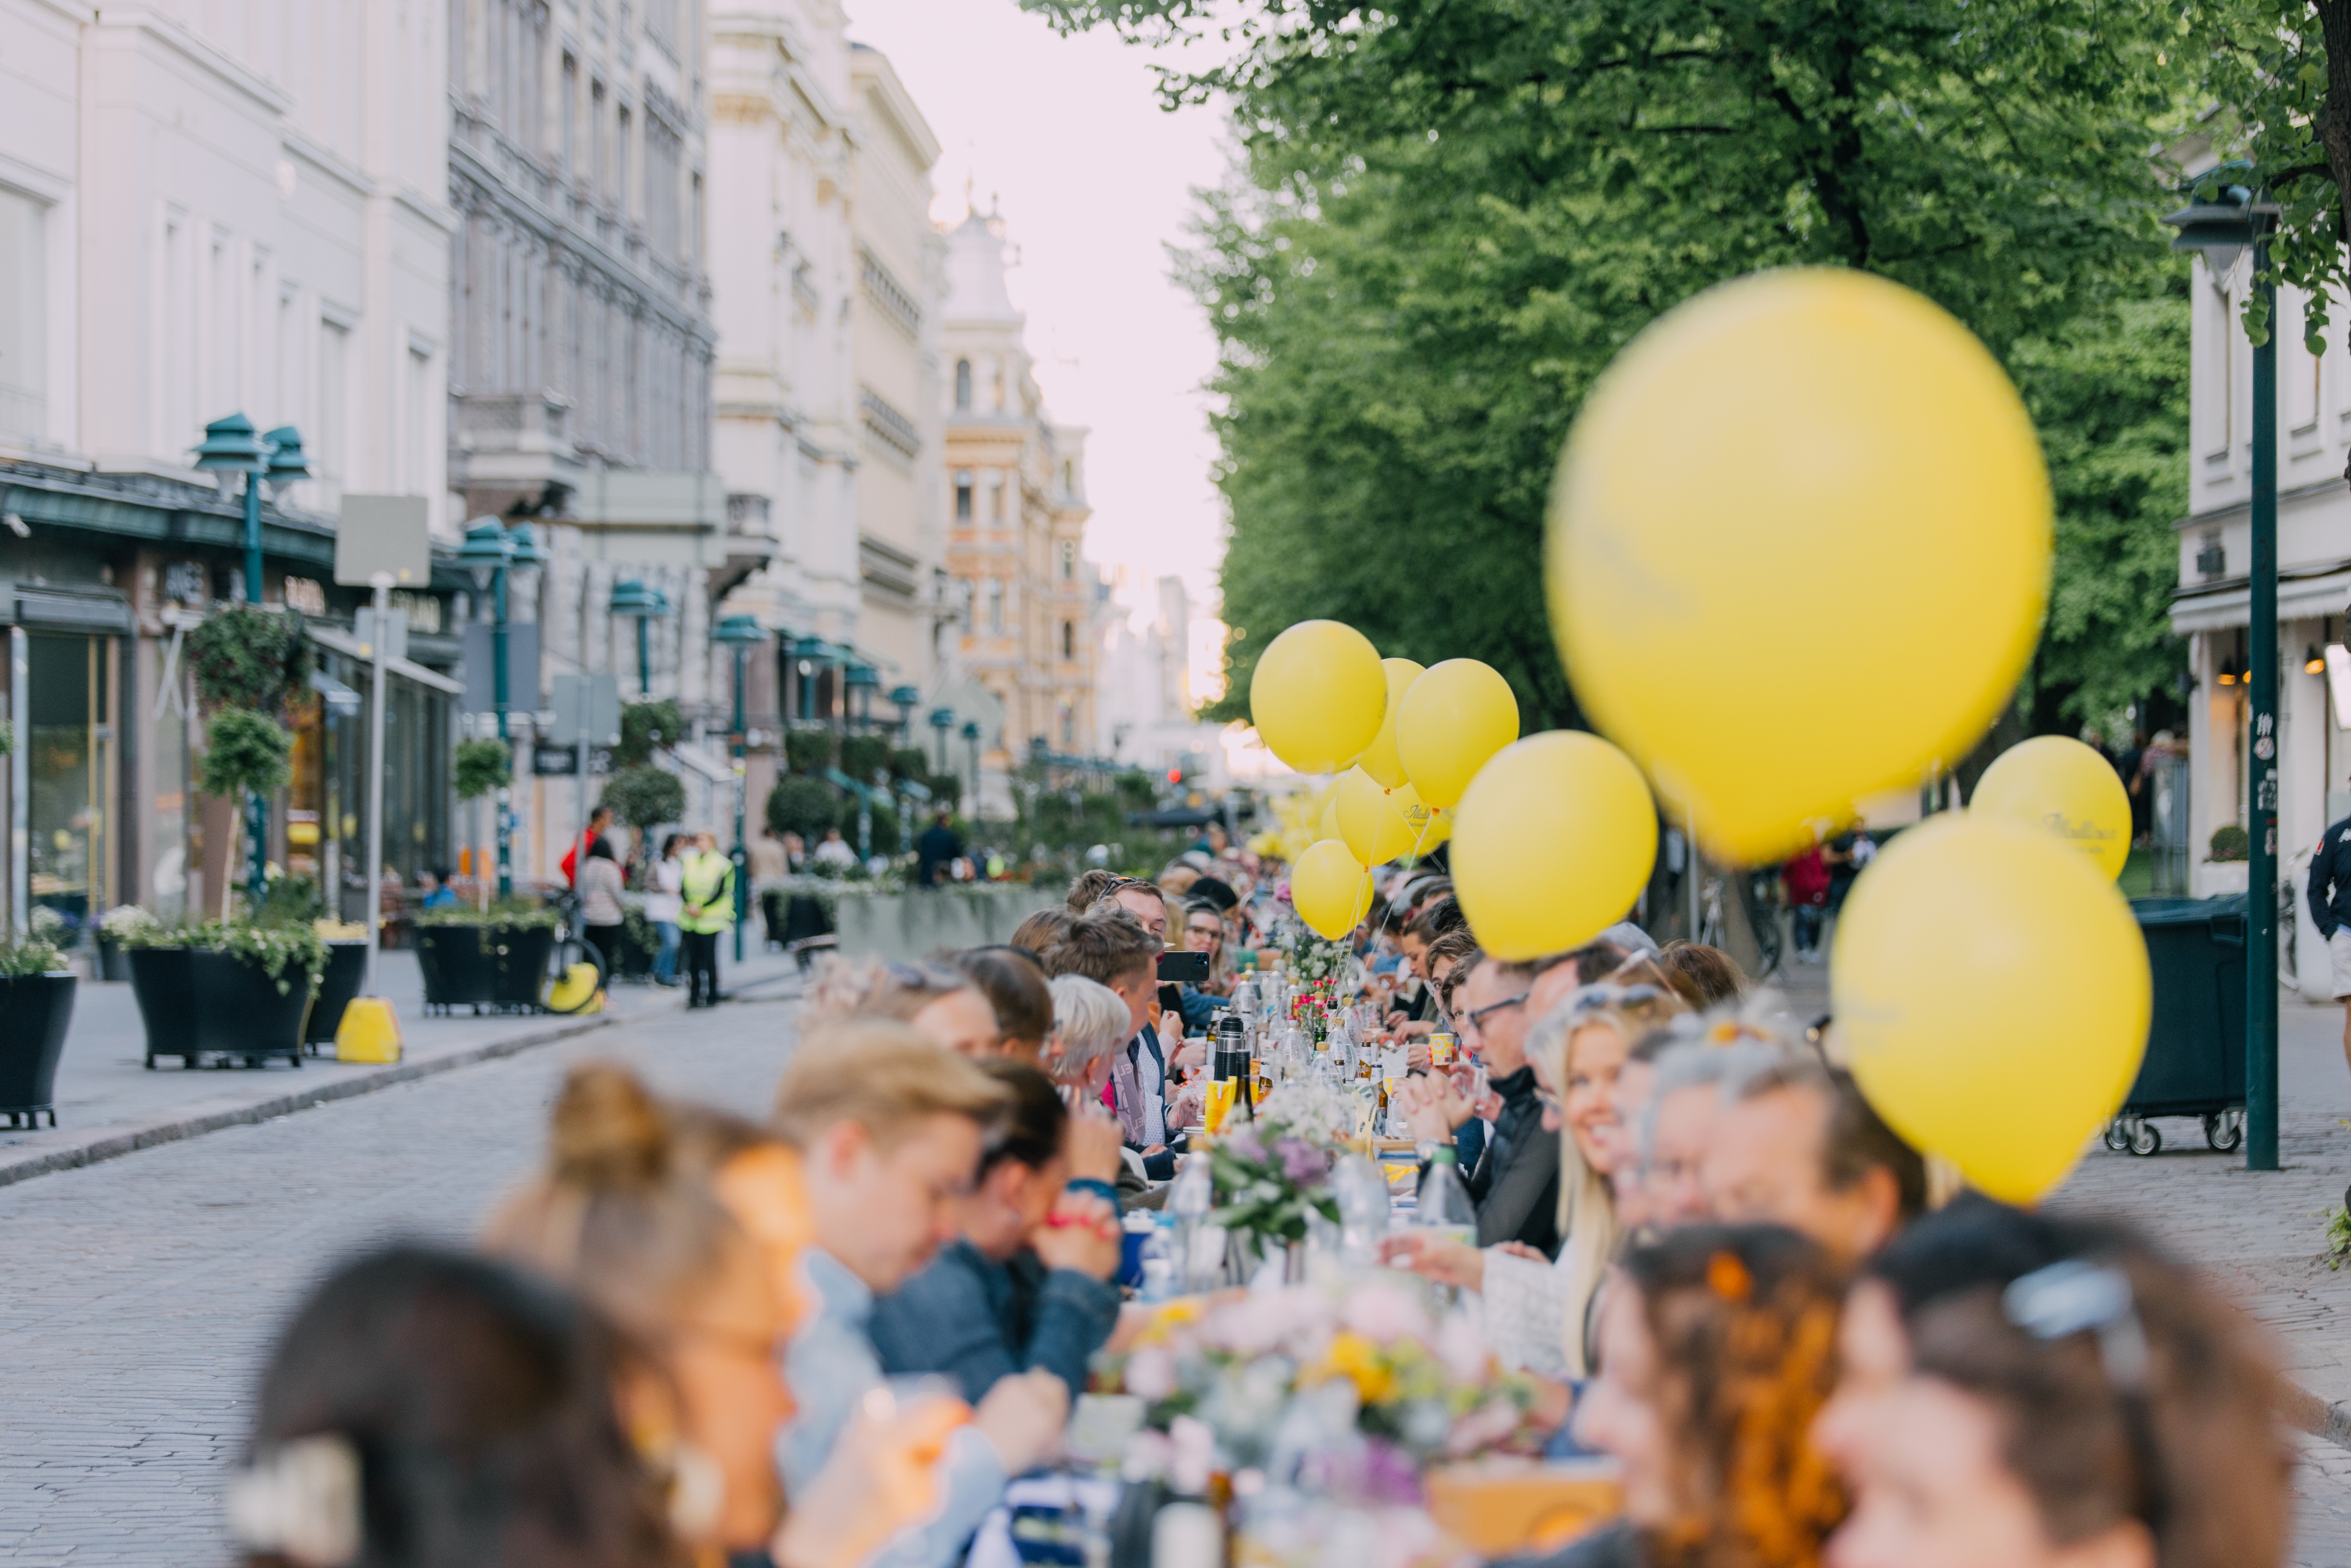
(349, 647)
(2304, 597)
(95, 609)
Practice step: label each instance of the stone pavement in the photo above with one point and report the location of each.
(140, 1292)
(110, 1103)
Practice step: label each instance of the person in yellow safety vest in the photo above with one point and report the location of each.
(709, 896)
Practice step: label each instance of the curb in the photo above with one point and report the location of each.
(162, 1133)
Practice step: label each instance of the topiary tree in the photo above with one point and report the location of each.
(243, 750)
(248, 658)
(885, 824)
(645, 797)
(481, 767)
(946, 791)
(645, 725)
(864, 756)
(809, 750)
(798, 804)
(909, 762)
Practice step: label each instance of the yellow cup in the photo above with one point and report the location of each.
(1222, 1091)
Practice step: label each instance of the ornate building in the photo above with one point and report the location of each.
(1017, 516)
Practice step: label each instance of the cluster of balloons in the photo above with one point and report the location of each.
(1553, 836)
(1799, 551)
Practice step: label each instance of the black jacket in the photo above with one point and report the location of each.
(2330, 879)
(1516, 1185)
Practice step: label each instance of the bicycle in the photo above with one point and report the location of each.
(575, 971)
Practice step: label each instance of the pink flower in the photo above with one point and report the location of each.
(1462, 1348)
(1151, 1372)
(1383, 1312)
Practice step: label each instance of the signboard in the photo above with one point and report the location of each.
(395, 633)
(522, 667)
(549, 762)
(386, 533)
(586, 707)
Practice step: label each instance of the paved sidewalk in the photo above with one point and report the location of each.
(110, 1103)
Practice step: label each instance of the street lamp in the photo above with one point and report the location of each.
(971, 739)
(905, 697)
(742, 634)
(631, 597)
(859, 682)
(2223, 227)
(943, 720)
(228, 449)
(808, 651)
(489, 552)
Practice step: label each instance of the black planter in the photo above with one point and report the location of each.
(346, 972)
(113, 963)
(196, 1004)
(34, 1012)
(502, 966)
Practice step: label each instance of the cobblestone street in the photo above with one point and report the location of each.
(139, 1292)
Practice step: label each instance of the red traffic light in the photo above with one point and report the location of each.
(1174, 776)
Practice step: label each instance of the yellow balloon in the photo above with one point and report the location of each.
(2063, 785)
(1430, 825)
(1991, 987)
(1454, 718)
(1551, 844)
(1734, 500)
(1326, 826)
(1379, 758)
(1329, 889)
(1319, 696)
(1375, 821)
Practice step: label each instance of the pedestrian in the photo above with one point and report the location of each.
(1807, 878)
(1716, 1349)
(768, 860)
(706, 889)
(600, 823)
(432, 886)
(835, 853)
(425, 1407)
(2329, 897)
(664, 906)
(2044, 1392)
(1027, 1280)
(601, 914)
(936, 845)
(1847, 855)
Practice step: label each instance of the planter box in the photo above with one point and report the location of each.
(346, 972)
(2218, 879)
(196, 1004)
(905, 926)
(34, 1012)
(501, 966)
(113, 963)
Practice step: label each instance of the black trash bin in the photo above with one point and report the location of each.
(2195, 1063)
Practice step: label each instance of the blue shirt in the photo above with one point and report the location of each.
(977, 1320)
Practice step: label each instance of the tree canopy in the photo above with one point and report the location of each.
(1451, 214)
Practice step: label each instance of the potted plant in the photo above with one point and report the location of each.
(226, 989)
(493, 957)
(481, 767)
(346, 972)
(121, 920)
(36, 997)
(248, 664)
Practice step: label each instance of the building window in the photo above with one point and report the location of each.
(24, 320)
(1069, 725)
(622, 130)
(963, 495)
(598, 149)
(1069, 478)
(571, 114)
(995, 499)
(996, 604)
(1068, 639)
(963, 383)
(1068, 560)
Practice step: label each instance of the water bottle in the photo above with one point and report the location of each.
(1363, 1195)
(1163, 1273)
(1444, 1206)
(1189, 1201)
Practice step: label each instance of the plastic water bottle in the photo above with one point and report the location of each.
(1362, 1195)
(1189, 1201)
(1444, 1206)
(1161, 1270)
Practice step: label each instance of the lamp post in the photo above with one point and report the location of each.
(860, 681)
(742, 634)
(943, 720)
(631, 597)
(489, 552)
(2222, 228)
(807, 654)
(229, 448)
(905, 697)
(971, 739)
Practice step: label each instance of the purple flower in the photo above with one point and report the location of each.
(1301, 1162)
(1389, 1474)
(1245, 1144)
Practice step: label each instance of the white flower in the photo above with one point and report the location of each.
(1151, 1372)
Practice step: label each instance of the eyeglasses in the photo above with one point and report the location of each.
(924, 977)
(1477, 1015)
(2078, 1296)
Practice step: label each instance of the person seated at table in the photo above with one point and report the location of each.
(1795, 1144)
(1013, 981)
(1204, 932)
(637, 1231)
(1042, 931)
(944, 1003)
(1027, 1280)
(1113, 950)
(885, 1130)
(1417, 1017)
(1716, 1349)
(1537, 1310)
(1706, 976)
(1091, 1022)
(2045, 1392)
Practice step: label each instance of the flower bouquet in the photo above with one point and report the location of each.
(1346, 1391)
(1272, 1180)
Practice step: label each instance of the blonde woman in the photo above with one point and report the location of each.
(1537, 1310)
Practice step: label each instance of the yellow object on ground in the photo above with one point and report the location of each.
(369, 1032)
(572, 994)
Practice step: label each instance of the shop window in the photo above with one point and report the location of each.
(963, 383)
(71, 759)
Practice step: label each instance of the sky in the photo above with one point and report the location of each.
(1066, 137)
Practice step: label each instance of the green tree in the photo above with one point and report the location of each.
(243, 750)
(644, 796)
(482, 766)
(1452, 214)
(645, 727)
(798, 804)
(248, 658)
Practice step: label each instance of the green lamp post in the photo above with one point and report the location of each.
(490, 552)
(859, 682)
(971, 739)
(741, 633)
(905, 697)
(630, 597)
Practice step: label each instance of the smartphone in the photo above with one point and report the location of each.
(1171, 1002)
(1183, 969)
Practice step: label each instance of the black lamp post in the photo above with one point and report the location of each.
(742, 634)
(2223, 227)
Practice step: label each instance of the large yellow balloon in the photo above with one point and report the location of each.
(1454, 718)
(1379, 758)
(2061, 784)
(1991, 988)
(1329, 889)
(1551, 844)
(1735, 503)
(1319, 696)
(1375, 822)
(1430, 825)
(1326, 826)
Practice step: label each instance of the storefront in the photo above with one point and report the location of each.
(65, 650)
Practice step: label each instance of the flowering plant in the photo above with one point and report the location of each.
(1271, 1178)
(1345, 1389)
(1321, 1112)
(1314, 959)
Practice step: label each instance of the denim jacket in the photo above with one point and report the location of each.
(979, 1320)
(831, 1365)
